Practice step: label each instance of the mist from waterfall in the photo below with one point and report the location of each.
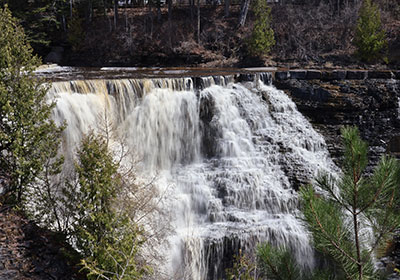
(226, 156)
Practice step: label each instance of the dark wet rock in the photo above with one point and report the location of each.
(356, 75)
(333, 75)
(266, 77)
(313, 74)
(221, 252)
(392, 257)
(393, 146)
(380, 75)
(282, 75)
(372, 105)
(210, 132)
(339, 74)
(305, 91)
(298, 74)
(198, 83)
(246, 77)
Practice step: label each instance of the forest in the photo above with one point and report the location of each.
(203, 33)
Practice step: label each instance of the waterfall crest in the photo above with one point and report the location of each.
(229, 154)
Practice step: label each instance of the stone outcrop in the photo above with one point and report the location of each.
(329, 75)
(370, 104)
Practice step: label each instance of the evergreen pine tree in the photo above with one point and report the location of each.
(41, 20)
(28, 137)
(370, 38)
(262, 38)
(356, 213)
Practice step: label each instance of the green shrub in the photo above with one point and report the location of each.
(243, 268)
(370, 38)
(262, 38)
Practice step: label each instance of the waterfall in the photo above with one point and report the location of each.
(230, 155)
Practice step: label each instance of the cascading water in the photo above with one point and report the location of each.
(227, 155)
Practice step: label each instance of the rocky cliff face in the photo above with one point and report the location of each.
(370, 104)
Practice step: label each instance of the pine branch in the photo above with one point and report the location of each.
(332, 242)
(378, 192)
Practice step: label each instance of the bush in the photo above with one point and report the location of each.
(370, 38)
(262, 37)
(243, 268)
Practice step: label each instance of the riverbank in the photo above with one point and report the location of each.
(307, 36)
(30, 252)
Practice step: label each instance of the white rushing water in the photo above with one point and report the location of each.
(225, 154)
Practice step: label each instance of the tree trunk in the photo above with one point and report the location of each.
(90, 10)
(191, 3)
(243, 12)
(106, 16)
(338, 7)
(115, 14)
(87, 12)
(158, 10)
(64, 23)
(198, 22)
(227, 3)
(150, 19)
(169, 22)
(169, 10)
(126, 16)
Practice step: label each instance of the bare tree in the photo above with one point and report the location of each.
(227, 4)
(170, 22)
(115, 14)
(198, 22)
(244, 8)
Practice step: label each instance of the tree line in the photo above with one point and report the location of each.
(52, 22)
